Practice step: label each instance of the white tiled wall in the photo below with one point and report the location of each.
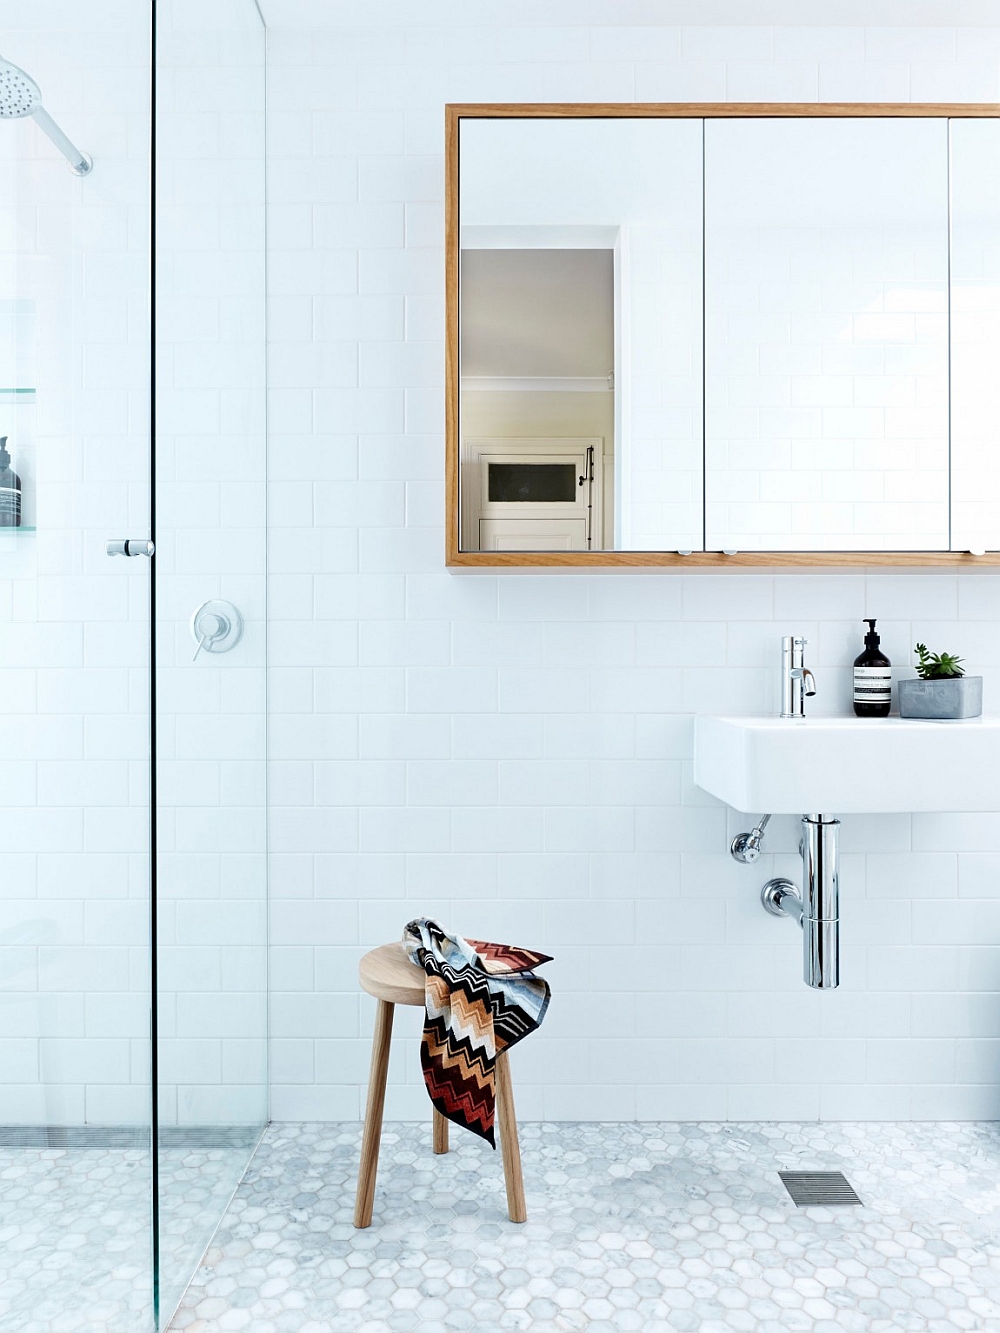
(75, 643)
(74, 929)
(513, 753)
(826, 334)
(975, 252)
(211, 503)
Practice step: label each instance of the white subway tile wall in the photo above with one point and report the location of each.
(513, 753)
(74, 928)
(210, 484)
(826, 388)
(74, 665)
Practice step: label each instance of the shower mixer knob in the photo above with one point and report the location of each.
(216, 627)
(213, 626)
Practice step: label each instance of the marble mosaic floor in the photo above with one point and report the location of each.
(74, 1240)
(75, 1247)
(658, 1228)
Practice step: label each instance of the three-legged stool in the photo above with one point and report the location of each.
(388, 974)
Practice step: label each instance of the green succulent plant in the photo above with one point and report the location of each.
(937, 666)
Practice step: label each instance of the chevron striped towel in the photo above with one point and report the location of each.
(479, 999)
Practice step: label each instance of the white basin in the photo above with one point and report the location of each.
(848, 766)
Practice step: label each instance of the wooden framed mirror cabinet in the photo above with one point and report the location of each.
(724, 334)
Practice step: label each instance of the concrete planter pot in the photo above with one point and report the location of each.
(952, 698)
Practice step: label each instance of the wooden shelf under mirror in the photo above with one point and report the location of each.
(716, 335)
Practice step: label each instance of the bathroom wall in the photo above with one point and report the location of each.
(74, 919)
(74, 624)
(852, 267)
(211, 540)
(512, 754)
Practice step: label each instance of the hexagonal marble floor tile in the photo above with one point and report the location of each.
(658, 1228)
(75, 1249)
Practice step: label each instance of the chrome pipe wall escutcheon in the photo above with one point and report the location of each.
(781, 897)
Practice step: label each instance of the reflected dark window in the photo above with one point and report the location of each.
(532, 483)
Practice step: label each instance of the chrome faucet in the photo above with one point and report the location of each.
(796, 679)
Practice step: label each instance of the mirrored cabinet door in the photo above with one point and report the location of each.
(721, 333)
(826, 334)
(580, 334)
(975, 334)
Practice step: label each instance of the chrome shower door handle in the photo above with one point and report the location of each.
(130, 546)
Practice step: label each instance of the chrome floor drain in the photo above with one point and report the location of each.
(819, 1188)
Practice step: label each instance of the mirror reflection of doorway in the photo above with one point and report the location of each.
(537, 406)
(533, 494)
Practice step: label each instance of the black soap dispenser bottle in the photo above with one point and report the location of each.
(10, 490)
(872, 678)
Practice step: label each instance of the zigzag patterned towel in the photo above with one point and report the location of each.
(480, 999)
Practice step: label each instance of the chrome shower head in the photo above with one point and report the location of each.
(21, 96)
(19, 93)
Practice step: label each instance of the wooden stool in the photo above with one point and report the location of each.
(388, 974)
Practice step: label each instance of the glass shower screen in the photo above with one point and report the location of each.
(132, 862)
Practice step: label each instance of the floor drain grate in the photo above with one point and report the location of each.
(819, 1188)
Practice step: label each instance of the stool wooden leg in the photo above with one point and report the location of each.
(373, 1114)
(440, 1133)
(509, 1146)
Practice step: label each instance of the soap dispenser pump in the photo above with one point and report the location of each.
(10, 490)
(872, 678)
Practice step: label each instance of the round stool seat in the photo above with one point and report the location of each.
(389, 975)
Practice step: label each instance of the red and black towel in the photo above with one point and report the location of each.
(480, 999)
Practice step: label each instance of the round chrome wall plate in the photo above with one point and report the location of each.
(216, 627)
(773, 892)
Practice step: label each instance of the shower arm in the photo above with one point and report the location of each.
(79, 163)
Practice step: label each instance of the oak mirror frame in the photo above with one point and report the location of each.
(943, 501)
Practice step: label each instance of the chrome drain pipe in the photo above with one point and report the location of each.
(821, 908)
(817, 909)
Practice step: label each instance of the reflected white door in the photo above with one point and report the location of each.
(532, 534)
(533, 494)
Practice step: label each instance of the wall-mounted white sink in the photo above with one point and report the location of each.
(845, 766)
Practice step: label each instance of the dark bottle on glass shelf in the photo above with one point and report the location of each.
(10, 490)
(872, 678)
